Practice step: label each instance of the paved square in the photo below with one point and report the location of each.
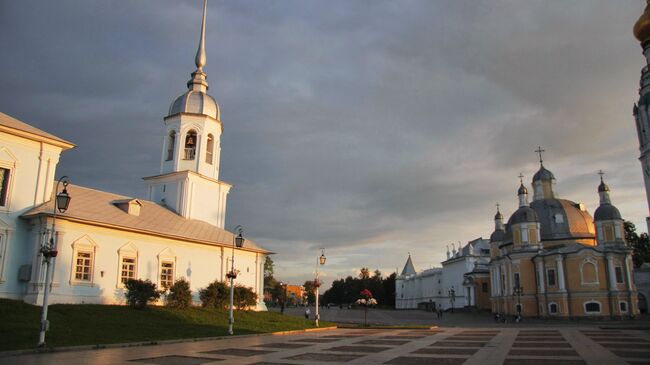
(561, 345)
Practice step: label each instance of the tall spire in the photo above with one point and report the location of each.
(540, 151)
(201, 59)
(199, 77)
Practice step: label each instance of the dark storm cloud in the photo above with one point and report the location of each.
(370, 128)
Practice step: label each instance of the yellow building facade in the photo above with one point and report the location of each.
(552, 259)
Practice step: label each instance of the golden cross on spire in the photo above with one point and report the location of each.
(540, 151)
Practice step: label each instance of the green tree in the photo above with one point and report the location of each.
(268, 269)
(364, 273)
(215, 295)
(180, 295)
(310, 291)
(640, 244)
(244, 297)
(140, 292)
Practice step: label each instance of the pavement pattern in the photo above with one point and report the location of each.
(440, 346)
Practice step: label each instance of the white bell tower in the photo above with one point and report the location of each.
(189, 169)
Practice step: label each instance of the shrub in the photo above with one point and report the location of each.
(140, 292)
(180, 295)
(215, 295)
(244, 297)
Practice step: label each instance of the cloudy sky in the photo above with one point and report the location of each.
(369, 128)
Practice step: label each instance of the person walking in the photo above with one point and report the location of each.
(307, 312)
(440, 311)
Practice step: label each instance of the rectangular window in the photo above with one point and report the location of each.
(485, 287)
(516, 280)
(166, 274)
(622, 306)
(609, 233)
(533, 236)
(550, 275)
(524, 235)
(4, 185)
(128, 269)
(84, 266)
(619, 274)
(516, 236)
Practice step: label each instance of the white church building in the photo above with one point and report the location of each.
(457, 284)
(104, 239)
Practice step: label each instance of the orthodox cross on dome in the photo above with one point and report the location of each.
(498, 207)
(601, 173)
(521, 178)
(539, 150)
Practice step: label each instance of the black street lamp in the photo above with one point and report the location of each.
(238, 241)
(452, 297)
(49, 252)
(518, 291)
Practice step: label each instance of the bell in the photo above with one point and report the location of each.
(190, 141)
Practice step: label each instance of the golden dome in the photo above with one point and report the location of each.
(642, 26)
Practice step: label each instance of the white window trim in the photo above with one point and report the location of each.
(129, 250)
(600, 307)
(83, 244)
(627, 306)
(589, 261)
(9, 162)
(166, 255)
(5, 235)
(619, 266)
(548, 284)
(557, 306)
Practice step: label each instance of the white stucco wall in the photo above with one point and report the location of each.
(200, 264)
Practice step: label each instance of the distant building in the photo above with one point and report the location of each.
(462, 281)
(104, 239)
(295, 294)
(552, 259)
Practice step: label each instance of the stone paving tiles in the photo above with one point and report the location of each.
(632, 354)
(284, 345)
(541, 344)
(619, 339)
(542, 362)
(342, 336)
(412, 360)
(177, 360)
(445, 351)
(618, 345)
(324, 357)
(537, 339)
(316, 340)
(458, 344)
(238, 352)
(383, 342)
(542, 352)
(402, 337)
(366, 349)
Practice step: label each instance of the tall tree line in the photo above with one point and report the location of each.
(346, 291)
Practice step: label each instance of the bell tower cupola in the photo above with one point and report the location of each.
(543, 180)
(189, 168)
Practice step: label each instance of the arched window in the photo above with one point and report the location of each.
(171, 143)
(609, 233)
(589, 272)
(209, 151)
(592, 307)
(533, 236)
(190, 145)
(552, 308)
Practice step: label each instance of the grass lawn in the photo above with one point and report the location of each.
(88, 324)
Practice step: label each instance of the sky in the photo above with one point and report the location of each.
(371, 129)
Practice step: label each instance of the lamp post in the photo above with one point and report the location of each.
(321, 260)
(518, 291)
(284, 296)
(49, 252)
(238, 241)
(452, 297)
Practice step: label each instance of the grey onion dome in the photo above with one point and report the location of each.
(524, 214)
(543, 174)
(602, 187)
(196, 102)
(522, 190)
(607, 212)
(498, 236)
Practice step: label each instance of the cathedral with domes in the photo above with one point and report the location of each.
(552, 259)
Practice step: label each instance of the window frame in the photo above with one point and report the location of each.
(549, 276)
(189, 153)
(90, 265)
(600, 307)
(5, 187)
(618, 274)
(209, 149)
(557, 308)
(622, 303)
(162, 269)
(171, 145)
(83, 244)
